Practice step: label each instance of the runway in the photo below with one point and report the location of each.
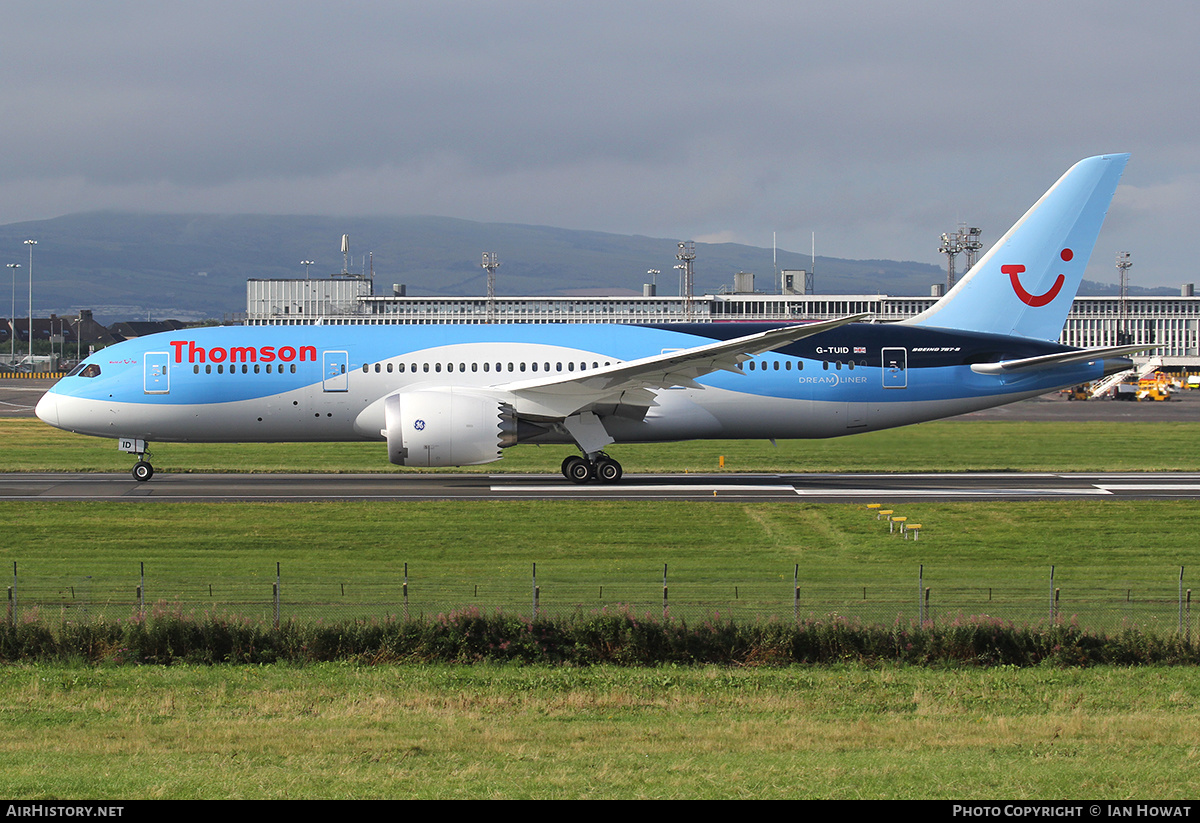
(825, 488)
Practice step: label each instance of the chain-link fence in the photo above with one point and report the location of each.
(273, 597)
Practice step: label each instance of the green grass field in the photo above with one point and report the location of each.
(951, 445)
(491, 731)
(338, 731)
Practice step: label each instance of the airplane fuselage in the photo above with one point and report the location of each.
(328, 383)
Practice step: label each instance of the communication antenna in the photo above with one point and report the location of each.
(1123, 265)
(490, 263)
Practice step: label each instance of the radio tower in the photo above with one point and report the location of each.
(491, 264)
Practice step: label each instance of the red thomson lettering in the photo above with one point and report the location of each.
(240, 354)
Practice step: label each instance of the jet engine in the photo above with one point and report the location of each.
(447, 428)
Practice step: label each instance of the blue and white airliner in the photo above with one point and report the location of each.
(458, 395)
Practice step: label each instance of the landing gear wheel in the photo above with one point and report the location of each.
(567, 462)
(577, 470)
(608, 470)
(142, 471)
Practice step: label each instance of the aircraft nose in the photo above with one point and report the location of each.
(47, 408)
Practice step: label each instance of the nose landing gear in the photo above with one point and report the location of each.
(142, 470)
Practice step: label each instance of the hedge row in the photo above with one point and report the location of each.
(472, 636)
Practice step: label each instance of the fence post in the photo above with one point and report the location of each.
(1181, 599)
(276, 593)
(665, 591)
(920, 588)
(12, 597)
(1051, 593)
(796, 593)
(406, 592)
(142, 590)
(535, 592)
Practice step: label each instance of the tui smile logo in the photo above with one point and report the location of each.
(1036, 300)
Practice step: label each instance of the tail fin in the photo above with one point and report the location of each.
(1026, 283)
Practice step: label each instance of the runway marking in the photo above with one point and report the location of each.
(1151, 487)
(900, 491)
(630, 488)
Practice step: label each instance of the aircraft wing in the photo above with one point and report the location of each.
(1046, 361)
(635, 382)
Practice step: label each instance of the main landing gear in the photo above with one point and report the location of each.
(598, 466)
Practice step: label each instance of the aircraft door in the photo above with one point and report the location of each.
(334, 371)
(156, 377)
(895, 368)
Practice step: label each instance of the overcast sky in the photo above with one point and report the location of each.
(876, 125)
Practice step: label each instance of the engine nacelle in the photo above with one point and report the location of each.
(447, 427)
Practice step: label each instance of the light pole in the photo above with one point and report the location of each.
(12, 357)
(31, 244)
(306, 264)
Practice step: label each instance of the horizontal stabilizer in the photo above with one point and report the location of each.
(1047, 361)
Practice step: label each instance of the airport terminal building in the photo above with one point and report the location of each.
(1172, 322)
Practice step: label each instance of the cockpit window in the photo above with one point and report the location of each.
(85, 370)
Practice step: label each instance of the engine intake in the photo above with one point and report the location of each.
(447, 428)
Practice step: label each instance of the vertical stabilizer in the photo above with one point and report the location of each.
(1026, 283)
